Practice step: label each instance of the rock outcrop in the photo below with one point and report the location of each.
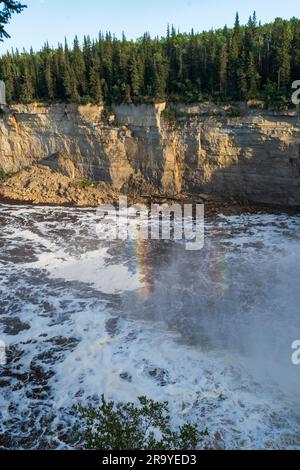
(254, 157)
(41, 185)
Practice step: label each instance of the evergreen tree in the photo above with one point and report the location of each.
(47, 74)
(160, 73)
(295, 47)
(6, 73)
(223, 70)
(252, 76)
(231, 63)
(237, 79)
(78, 67)
(70, 83)
(87, 52)
(281, 57)
(59, 67)
(7, 9)
(95, 87)
(26, 85)
(136, 77)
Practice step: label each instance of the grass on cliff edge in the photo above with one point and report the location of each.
(86, 183)
(3, 175)
(125, 426)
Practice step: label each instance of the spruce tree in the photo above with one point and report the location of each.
(70, 83)
(7, 9)
(252, 76)
(281, 57)
(231, 63)
(26, 85)
(160, 73)
(59, 67)
(47, 74)
(135, 77)
(78, 67)
(237, 79)
(223, 70)
(95, 88)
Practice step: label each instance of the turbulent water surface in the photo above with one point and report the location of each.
(208, 331)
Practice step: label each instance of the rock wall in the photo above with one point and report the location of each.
(144, 115)
(255, 156)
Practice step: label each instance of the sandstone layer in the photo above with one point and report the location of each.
(91, 155)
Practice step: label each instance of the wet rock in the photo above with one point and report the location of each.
(112, 326)
(13, 326)
(160, 375)
(125, 376)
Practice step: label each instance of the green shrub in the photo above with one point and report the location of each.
(115, 123)
(233, 112)
(124, 426)
(2, 174)
(86, 183)
(275, 99)
(170, 114)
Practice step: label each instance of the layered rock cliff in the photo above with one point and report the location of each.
(255, 156)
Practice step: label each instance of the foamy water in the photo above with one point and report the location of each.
(208, 331)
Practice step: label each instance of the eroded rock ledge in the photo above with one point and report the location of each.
(63, 150)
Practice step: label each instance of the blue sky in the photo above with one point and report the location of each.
(52, 20)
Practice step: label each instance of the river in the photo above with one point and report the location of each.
(209, 331)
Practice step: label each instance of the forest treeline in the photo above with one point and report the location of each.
(244, 62)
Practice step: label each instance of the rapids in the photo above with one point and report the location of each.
(208, 331)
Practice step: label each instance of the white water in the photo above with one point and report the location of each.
(210, 332)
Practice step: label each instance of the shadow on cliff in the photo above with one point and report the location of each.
(267, 172)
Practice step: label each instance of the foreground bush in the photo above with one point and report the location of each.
(124, 426)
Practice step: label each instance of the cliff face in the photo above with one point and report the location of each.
(256, 157)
